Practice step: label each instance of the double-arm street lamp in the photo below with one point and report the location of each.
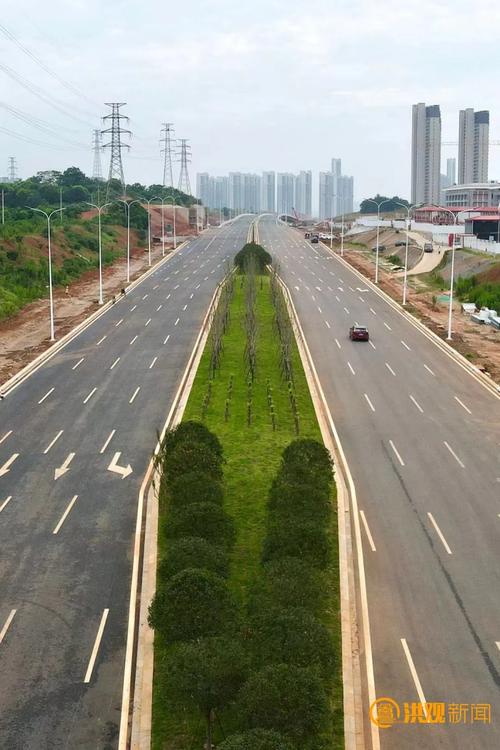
(405, 281)
(149, 201)
(171, 198)
(51, 298)
(99, 211)
(378, 204)
(452, 280)
(127, 205)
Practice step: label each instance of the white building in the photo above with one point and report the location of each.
(451, 171)
(268, 192)
(337, 167)
(251, 193)
(286, 193)
(326, 195)
(425, 154)
(473, 146)
(303, 194)
(344, 189)
(203, 188)
(236, 191)
(473, 195)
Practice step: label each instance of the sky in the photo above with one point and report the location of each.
(262, 85)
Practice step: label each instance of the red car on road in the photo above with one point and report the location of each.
(359, 333)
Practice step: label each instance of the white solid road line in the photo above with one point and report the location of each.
(371, 344)
(47, 449)
(167, 339)
(327, 324)
(153, 363)
(454, 454)
(78, 363)
(369, 402)
(337, 342)
(64, 515)
(147, 322)
(110, 436)
(390, 369)
(88, 673)
(5, 436)
(6, 467)
(134, 339)
(90, 395)
(368, 533)
(119, 323)
(387, 326)
(429, 370)
(135, 394)
(463, 405)
(5, 502)
(416, 403)
(46, 396)
(414, 675)
(351, 368)
(405, 345)
(115, 363)
(6, 626)
(396, 452)
(439, 533)
(101, 340)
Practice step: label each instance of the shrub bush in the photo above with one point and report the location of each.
(191, 432)
(205, 520)
(256, 739)
(195, 487)
(193, 552)
(301, 501)
(308, 541)
(291, 582)
(252, 250)
(192, 604)
(307, 460)
(185, 458)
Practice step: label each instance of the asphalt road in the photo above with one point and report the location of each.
(66, 543)
(422, 439)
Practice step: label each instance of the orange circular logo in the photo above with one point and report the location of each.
(384, 712)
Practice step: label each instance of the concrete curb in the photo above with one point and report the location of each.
(137, 696)
(45, 356)
(354, 730)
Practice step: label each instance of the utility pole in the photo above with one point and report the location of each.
(12, 169)
(97, 148)
(60, 203)
(166, 143)
(3, 206)
(115, 144)
(185, 159)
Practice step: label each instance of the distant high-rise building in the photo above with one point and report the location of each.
(268, 195)
(425, 153)
(344, 202)
(221, 192)
(236, 191)
(303, 193)
(337, 167)
(326, 195)
(286, 193)
(451, 170)
(473, 146)
(251, 193)
(203, 188)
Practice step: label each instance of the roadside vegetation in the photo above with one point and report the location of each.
(482, 293)
(246, 614)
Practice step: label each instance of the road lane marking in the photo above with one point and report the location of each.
(176, 321)
(414, 674)
(361, 298)
(5, 502)
(372, 310)
(371, 344)
(416, 404)
(368, 533)
(184, 308)
(340, 289)
(369, 402)
(65, 514)
(351, 368)
(6, 626)
(347, 311)
(119, 323)
(454, 454)
(101, 340)
(497, 645)
(337, 342)
(405, 345)
(155, 287)
(390, 369)
(168, 296)
(463, 405)
(90, 395)
(90, 668)
(46, 396)
(153, 363)
(64, 466)
(110, 436)
(134, 339)
(197, 287)
(327, 324)
(145, 296)
(147, 322)
(159, 308)
(337, 298)
(6, 467)
(429, 370)
(78, 363)
(439, 533)
(352, 290)
(133, 308)
(6, 436)
(115, 363)
(387, 326)
(47, 449)
(166, 339)
(396, 452)
(135, 394)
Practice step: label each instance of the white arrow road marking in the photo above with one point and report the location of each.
(6, 467)
(64, 467)
(64, 515)
(123, 470)
(90, 668)
(7, 624)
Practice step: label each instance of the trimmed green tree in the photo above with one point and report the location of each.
(191, 432)
(291, 582)
(205, 520)
(185, 458)
(300, 501)
(195, 487)
(193, 552)
(252, 251)
(308, 541)
(287, 699)
(192, 604)
(308, 460)
(256, 739)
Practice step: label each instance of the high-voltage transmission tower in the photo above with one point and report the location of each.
(12, 169)
(115, 144)
(166, 143)
(97, 148)
(184, 155)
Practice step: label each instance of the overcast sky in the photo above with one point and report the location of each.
(266, 84)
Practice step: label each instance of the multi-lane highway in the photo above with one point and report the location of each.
(68, 500)
(422, 438)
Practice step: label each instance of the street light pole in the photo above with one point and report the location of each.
(174, 207)
(99, 210)
(334, 195)
(342, 238)
(405, 281)
(370, 200)
(156, 198)
(127, 205)
(51, 297)
(452, 281)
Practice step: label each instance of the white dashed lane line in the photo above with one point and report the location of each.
(369, 402)
(115, 363)
(459, 462)
(429, 370)
(134, 339)
(416, 404)
(463, 405)
(78, 363)
(439, 533)
(351, 368)
(396, 452)
(338, 344)
(387, 326)
(46, 395)
(405, 345)
(390, 369)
